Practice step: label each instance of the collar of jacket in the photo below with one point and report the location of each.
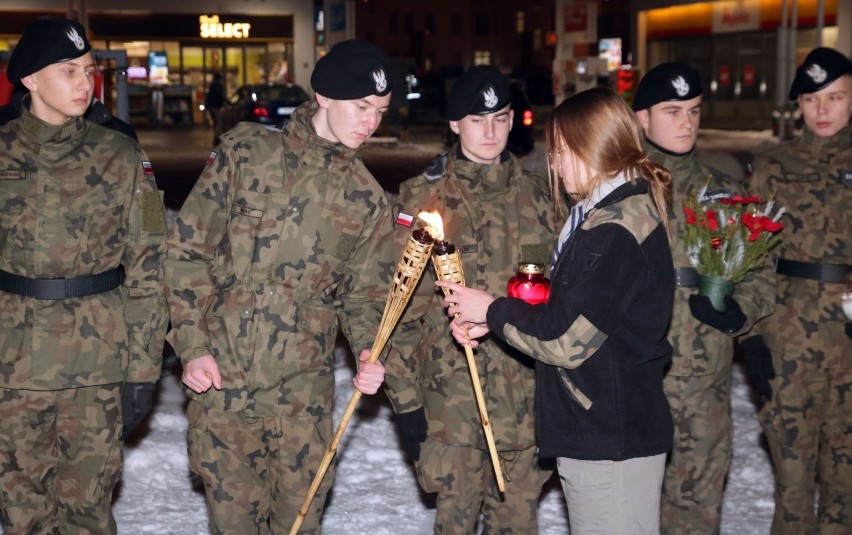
(681, 166)
(301, 130)
(481, 178)
(623, 192)
(97, 112)
(674, 162)
(817, 144)
(618, 194)
(43, 132)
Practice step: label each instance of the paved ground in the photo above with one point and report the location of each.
(178, 154)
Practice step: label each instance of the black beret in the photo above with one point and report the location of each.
(666, 82)
(352, 69)
(821, 67)
(45, 42)
(480, 90)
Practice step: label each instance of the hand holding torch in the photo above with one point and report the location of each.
(408, 273)
(447, 263)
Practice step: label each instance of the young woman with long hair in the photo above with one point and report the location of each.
(600, 342)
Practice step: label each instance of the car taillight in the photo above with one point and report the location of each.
(528, 118)
(260, 111)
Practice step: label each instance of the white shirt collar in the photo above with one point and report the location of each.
(604, 188)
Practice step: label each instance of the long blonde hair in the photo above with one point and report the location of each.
(604, 135)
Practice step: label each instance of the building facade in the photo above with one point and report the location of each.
(174, 48)
(511, 34)
(745, 50)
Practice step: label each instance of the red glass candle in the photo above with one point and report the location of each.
(529, 284)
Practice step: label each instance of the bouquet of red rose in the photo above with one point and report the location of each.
(728, 237)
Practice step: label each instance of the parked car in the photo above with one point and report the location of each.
(521, 137)
(539, 88)
(270, 104)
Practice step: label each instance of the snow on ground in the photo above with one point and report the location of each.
(375, 491)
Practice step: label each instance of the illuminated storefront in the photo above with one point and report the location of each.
(734, 45)
(172, 56)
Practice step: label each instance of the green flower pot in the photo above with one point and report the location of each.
(716, 289)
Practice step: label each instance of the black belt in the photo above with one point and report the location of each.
(686, 277)
(810, 270)
(58, 289)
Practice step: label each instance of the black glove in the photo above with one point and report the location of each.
(137, 400)
(412, 430)
(758, 364)
(729, 321)
(849, 329)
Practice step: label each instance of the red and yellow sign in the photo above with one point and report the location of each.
(730, 16)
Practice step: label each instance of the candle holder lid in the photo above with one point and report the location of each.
(531, 268)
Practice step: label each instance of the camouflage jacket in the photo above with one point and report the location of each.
(284, 233)
(811, 178)
(603, 332)
(79, 199)
(698, 348)
(497, 216)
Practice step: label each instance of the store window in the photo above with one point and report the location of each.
(189, 71)
(738, 70)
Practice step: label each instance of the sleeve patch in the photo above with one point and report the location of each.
(147, 168)
(345, 246)
(153, 215)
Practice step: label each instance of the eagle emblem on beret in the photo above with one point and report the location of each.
(380, 79)
(680, 86)
(75, 38)
(817, 73)
(490, 96)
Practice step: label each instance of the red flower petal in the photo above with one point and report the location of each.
(712, 222)
(690, 215)
(737, 199)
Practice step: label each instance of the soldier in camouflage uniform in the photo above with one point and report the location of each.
(667, 104)
(498, 215)
(284, 234)
(802, 363)
(82, 236)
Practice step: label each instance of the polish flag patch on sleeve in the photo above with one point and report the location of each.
(404, 219)
(147, 168)
(211, 157)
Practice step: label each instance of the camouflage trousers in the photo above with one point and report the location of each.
(808, 425)
(257, 470)
(701, 455)
(464, 479)
(60, 459)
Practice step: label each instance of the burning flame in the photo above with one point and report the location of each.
(434, 224)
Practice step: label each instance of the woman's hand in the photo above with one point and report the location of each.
(465, 334)
(467, 305)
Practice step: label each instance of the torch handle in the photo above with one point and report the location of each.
(408, 273)
(483, 413)
(448, 267)
(326, 461)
